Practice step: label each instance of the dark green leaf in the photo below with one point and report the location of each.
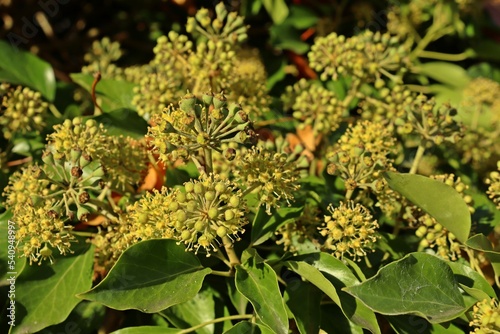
(439, 200)
(335, 276)
(86, 318)
(124, 122)
(419, 284)
(147, 330)
(481, 243)
(22, 67)
(411, 324)
(447, 73)
(249, 328)
(45, 294)
(115, 94)
(259, 284)
(264, 226)
(304, 302)
(150, 276)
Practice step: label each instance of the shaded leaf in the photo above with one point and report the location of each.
(481, 243)
(259, 284)
(86, 318)
(471, 281)
(22, 67)
(150, 276)
(45, 294)
(248, 328)
(302, 17)
(304, 302)
(439, 200)
(264, 226)
(419, 284)
(124, 122)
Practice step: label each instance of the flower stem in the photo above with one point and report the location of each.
(208, 160)
(221, 319)
(418, 158)
(445, 56)
(228, 246)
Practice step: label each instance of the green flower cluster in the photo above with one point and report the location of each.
(349, 230)
(493, 181)
(486, 317)
(366, 58)
(295, 234)
(314, 105)
(21, 110)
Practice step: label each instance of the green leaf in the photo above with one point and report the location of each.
(150, 276)
(248, 328)
(205, 306)
(239, 301)
(471, 281)
(331, 275)
(439, 200)
(147, 330)
(18, 263)
(21, 67)
(419, 284)
(304, 302)
(264, 226)
(447, 73)
(301, 17)
(277, 9)
(45, 294)
(259, 284)
(481, 243)
(286, 37)
(411, 324)
(124, 122)
(115, 94)
(86, 318)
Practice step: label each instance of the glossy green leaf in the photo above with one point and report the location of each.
(259, 284)
(21, 67)
(114, 94)
(8, 263)
(336, 276)
(277, 9)
(86, 318)
(471, 281)
(264, 225)
(150, 276)
(205, 306)
(245, 327)
(45, 294)
(481, 243)
(439, 200)
(419, 284)
(444, 72)
(304, 303)
(124, 122)
(147, 330)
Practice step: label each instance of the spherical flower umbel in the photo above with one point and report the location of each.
(494, 186)
(210, 208)
(349, 230)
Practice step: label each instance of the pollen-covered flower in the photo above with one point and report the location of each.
(21, 110)
(210, 208)
(350, 230)
(273, 176)
(494, 186)
(486, 317)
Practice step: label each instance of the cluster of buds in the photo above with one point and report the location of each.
(294, 235)
(434, 125)
(196, 214)
(101, 57)
(366, 58)
(272, 176)
(486, 317)
(314, 105)
(180, 133)
(181, 65)
(21, 110)
(493, 181)
(349, 230)
(361, 154)
(433, 234)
